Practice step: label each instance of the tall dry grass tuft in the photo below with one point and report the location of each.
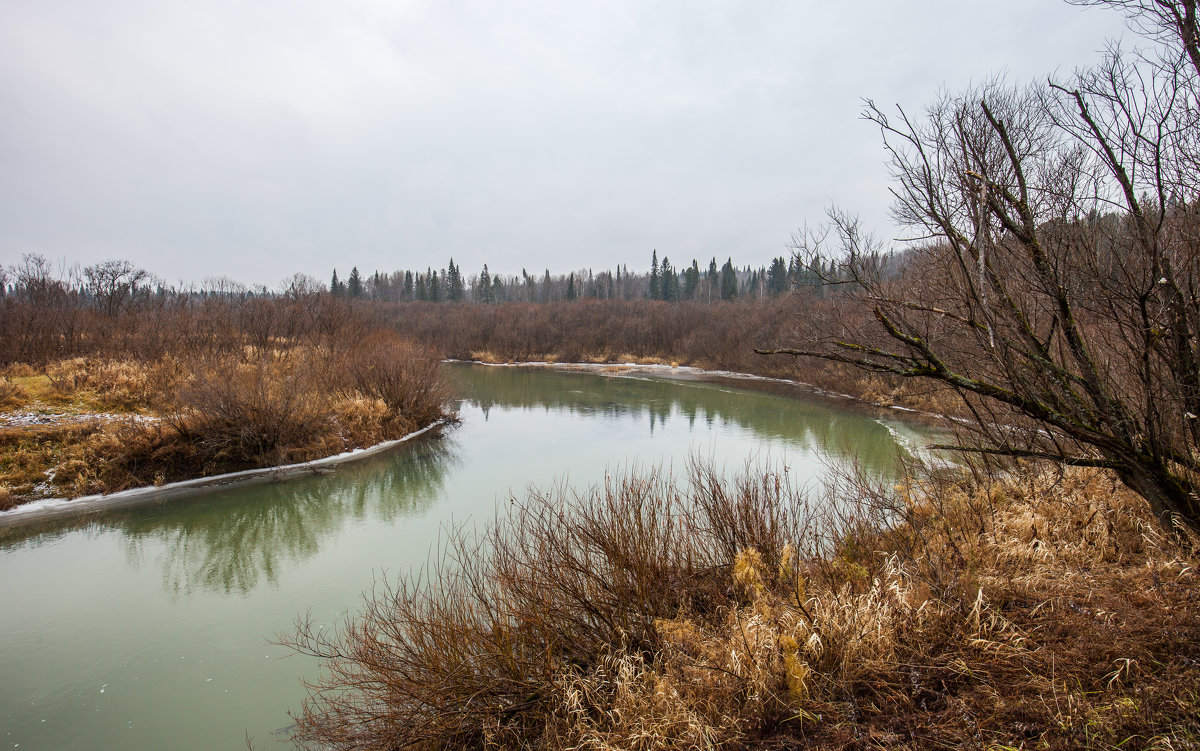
(1034, 610)
(121, 385)
(11, 394)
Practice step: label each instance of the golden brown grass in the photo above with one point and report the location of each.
(105, 385)
(1042, 610)
(122, 424)
(12, 395)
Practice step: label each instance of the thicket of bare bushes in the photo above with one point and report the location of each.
(45, 318)
(1042, 610)
(714, 335)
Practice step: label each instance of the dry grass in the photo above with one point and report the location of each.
(209, 414)
(489, 358)
(114, 385)
(29, 456)
(1043, 610)
(12, 395)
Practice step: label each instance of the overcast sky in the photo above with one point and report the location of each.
(257, 139)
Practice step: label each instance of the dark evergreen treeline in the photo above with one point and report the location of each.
(112, 285)
(663, 282)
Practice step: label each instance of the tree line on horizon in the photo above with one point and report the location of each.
(114, 284)
(662, 282)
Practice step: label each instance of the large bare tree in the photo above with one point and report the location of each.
(113, 283)
(1053, 276)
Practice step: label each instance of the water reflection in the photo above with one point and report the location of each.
(235, 541)
(811, 423)
(143, 628)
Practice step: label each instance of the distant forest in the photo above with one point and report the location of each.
(114, 284)
(663, 282)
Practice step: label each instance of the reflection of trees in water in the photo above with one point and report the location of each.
(814, 424)
(234, 541)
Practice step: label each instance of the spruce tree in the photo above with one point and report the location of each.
(655, 279)
(485, 285)
(571, 287)
(669, 282)
(777, 277)
(335, 287)
(691, 280)
(434, 291)
(455, 288)
(354, 285)
(729, 282)
(530, 286)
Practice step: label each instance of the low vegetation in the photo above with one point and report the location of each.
(1040, 610)
(92, 425)
(714, 335)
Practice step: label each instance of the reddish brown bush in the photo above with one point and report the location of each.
(404, 376)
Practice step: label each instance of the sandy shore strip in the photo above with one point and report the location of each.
(49, 509)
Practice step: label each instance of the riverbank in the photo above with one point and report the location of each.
(1044, 609)
(660, 369)
(711, 336)
(48, 509)
(92, 426)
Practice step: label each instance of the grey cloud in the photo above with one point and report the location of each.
(259, 139)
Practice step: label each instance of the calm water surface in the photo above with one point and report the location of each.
(151, 628)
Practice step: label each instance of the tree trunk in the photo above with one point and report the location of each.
(1174, 507)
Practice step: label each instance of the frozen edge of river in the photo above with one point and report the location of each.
(60, 508)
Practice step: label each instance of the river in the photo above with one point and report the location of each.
(151, 628)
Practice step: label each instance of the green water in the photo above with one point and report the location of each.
(150, 628)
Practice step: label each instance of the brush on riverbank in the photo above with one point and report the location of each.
(1043, 610)
(91, 425)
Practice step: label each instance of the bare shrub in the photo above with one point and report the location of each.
(482, 645)
(404, 376)
(953, 610)
(254, 411)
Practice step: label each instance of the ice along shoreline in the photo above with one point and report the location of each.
(51, 509)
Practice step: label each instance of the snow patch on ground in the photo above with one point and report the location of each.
(25, 419)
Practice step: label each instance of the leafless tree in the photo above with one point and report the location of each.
(1053, 278)
(113, 283)
(1172, 22)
